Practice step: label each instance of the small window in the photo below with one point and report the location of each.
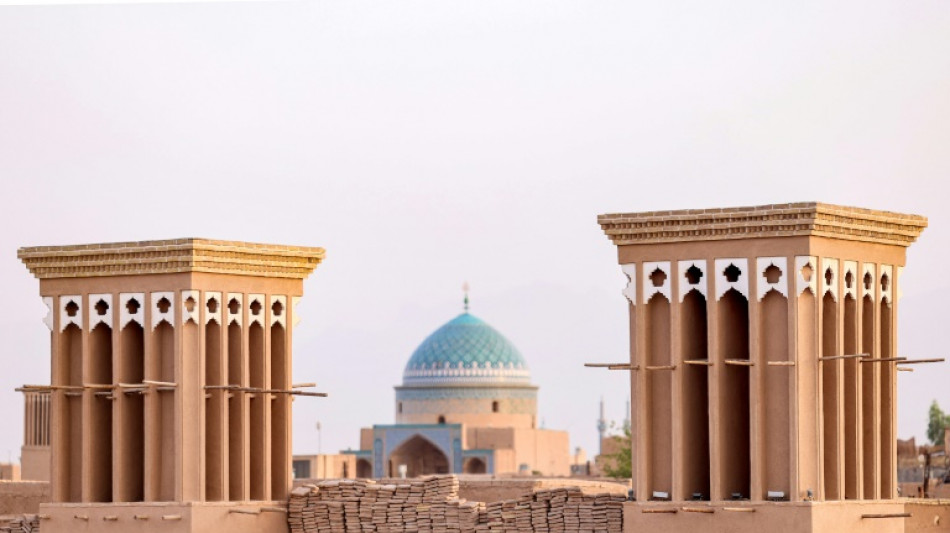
(400, 407)
(441, 419)
(494, 406)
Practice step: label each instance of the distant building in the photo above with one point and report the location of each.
(466, 405)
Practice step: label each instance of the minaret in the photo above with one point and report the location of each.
(601, 427)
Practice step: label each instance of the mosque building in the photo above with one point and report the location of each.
(466, 405)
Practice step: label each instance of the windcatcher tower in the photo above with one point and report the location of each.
(171, 383)
(763, 363)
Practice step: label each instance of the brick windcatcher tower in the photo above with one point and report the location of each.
(763, 364)
(171, 382)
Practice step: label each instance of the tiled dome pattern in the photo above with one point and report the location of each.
(466, 349)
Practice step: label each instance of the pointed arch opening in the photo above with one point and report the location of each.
(776, 394)
(475, 465)
(100, 422)
(888, 441)
(869, 403)
(830, 398)
(694, 335)
(733, 336)
(420, 456)
(659, 396)
(363, 469)
(131, 449)
(852, 399)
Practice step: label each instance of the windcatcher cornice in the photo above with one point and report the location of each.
(776, 220)
(171, 256)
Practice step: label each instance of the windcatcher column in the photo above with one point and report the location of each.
(170, 394)
(763, 354)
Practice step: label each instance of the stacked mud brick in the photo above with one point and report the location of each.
(29, 523)
(432, 505)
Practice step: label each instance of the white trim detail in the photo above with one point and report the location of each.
(800, 282)
(49, 318)
(869, 291)
(832, 264)
(282, 317)
(94, 317)
(259, 317)
(850, 267)
(648, 289)
(124, 315)
(64, 318)
(887, 294)
(293, 303)
(195, 314)
(762, 283)
(685, 286)
(630, 291)
(741, 285)
(900, 290)
(216, 315)
(239, 317)
(157, 315)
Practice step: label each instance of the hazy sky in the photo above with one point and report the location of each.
(429, 143)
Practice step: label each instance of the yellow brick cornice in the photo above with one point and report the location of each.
(171, 256)
(777, 220)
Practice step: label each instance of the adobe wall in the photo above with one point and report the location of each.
(543, 450)
(927, 516)
(797, 517)
(35, 461)
(489, 489)
(20, 497)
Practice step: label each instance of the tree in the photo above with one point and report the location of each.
(620, 463)
(937, 421)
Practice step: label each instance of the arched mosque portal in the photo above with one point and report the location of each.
(420, 456)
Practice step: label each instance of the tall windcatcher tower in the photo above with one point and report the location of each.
(171, 382)
(763, 363)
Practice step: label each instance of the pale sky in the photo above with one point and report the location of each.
(424, 144)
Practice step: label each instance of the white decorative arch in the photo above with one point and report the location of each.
(684, 286)
(741, 285)
(828, 263)
(124, 315)
(282, 317)
(630, 291)
(216, 315)
(238, 317)
(64, 319)
(49, 318)
(294, 301)
(157, 315)
(195, 314)
(869, 269)
(648, 288)
(762, 283)
(850, 267)
(259, 317)
(94, 317)
(801, 284)
(887, 294)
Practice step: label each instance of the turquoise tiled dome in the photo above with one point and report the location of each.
(466, 349)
